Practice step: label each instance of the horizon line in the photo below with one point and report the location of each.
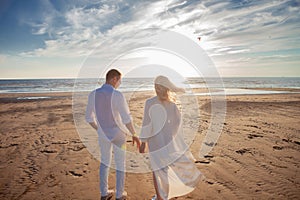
(48, 78)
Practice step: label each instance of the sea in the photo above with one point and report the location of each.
(231, 86)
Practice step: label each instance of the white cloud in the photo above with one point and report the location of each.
(225, 30)
(93, 18)
(246, 28)
(238, 51)
(39, 29)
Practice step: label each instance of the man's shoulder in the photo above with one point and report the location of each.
(99, 90)
(92, 93)
(117, 92)
(118, 95)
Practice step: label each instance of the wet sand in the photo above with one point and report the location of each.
(256, 157)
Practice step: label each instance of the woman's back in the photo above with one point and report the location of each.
(164, 119)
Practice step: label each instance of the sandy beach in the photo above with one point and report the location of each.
(256, 157)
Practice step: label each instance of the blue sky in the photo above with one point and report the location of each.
(52, 38)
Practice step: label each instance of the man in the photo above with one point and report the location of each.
(107, 112)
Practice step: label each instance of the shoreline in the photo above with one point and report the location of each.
(195, 91)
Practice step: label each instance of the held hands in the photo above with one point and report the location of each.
(142, 147)
(137, 141)
(134, 137)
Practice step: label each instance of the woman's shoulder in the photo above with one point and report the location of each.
(173, 106)
(152, 100)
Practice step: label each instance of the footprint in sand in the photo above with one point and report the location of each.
(297, 142)
(208, 156)
(251, 136)
(48, 151)
(210, 182)
(73, 173)
(277, 147)
(242, 151)
(202, 161)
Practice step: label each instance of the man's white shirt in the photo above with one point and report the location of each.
(108, 108)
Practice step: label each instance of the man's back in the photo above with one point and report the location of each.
(111, 110)
(103, 107)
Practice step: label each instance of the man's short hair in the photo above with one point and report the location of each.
(112, 73)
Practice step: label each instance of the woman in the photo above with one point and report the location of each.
(174, 172)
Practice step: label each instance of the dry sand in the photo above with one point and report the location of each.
(256, 157)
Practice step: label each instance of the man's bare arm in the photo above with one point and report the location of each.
(132, 131)
(94, 125)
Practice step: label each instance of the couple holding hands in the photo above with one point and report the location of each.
(174, 172)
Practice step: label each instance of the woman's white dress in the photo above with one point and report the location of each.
(171, 161)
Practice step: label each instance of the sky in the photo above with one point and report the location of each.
(56, 38)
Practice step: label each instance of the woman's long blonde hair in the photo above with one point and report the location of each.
(165, 89)
(164, 94)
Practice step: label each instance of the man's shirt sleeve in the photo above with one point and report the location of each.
(90, 108)
(124, 109)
